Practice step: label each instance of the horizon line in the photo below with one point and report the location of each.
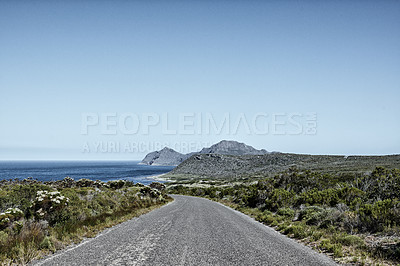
(136, 160)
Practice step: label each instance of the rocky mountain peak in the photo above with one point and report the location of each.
(168, 156)
(230, 147)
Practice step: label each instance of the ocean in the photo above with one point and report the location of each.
(94, 170)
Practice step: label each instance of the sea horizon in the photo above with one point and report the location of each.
(103, 170)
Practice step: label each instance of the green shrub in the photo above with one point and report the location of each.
(9, 216)
(282, 226)
(3, 237)
(336, 249)
(274, 223)
(287, 212)
(375, 217)
(265, 217)
(84, 182)
(49, 206)
(47, 244)
(19, 196)
(319, 216)
(381, 184)
(327, 197)
(279, 198)
(351, 240)
(316, 235)
(269, 219)
(331, 196)
(298, 231)
(116, 184)
(311, 215)
(253, 197)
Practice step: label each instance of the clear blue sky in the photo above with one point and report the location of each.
(62, 59)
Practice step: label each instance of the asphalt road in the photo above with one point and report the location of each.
(189, 231)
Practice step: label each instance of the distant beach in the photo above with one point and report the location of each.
(159, 178)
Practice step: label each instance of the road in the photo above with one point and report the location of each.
(189, 231)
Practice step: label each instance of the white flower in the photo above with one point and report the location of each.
(40, 212)
(13, 211)
(41, 192)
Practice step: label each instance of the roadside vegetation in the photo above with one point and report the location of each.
(39, 218)
(353, 217)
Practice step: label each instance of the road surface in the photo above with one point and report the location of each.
(189, 231)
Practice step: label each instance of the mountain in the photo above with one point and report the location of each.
(229, 147)
(165, 156)
(169, 156)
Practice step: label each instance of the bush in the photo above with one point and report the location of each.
(283, 226)
(117, 184)
(266, 217)
(253, 197)
(84, 182)
(336, 249)
(279, 198)
(321, 217)
(330, 197)
(381, 184)
(47, 244)
(312, 214)
(351, 240)
(375, 217)
(298, 231)
(49, 206)
(350, 221)
(316, 235)
(19, 196)
(9, 216)
(158, 186)
(287, 212)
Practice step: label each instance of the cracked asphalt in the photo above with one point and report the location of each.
(189, 231)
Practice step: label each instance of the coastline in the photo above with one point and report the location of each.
(159, 178)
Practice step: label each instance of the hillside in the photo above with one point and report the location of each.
(228, 166)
